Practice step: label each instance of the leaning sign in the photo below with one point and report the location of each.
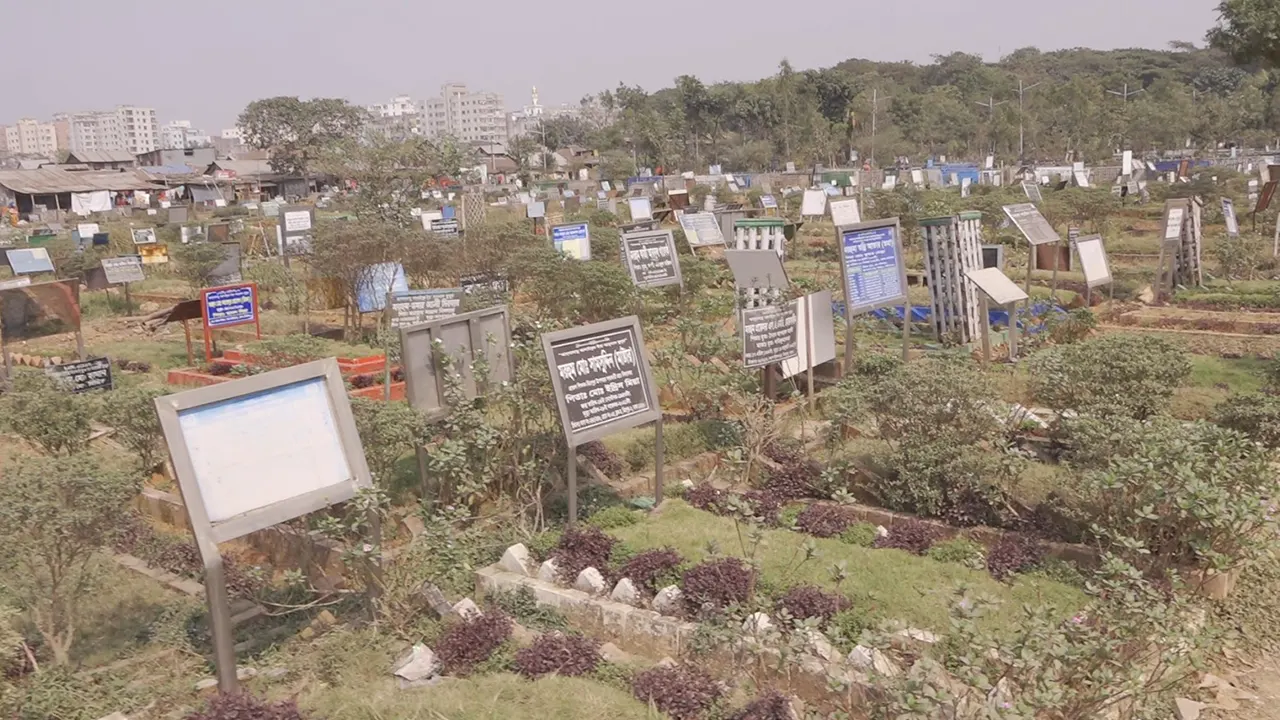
(651, 258)
(228, 306)
(93, 374)
(1027, 218)
(701, 229)
(602, 383)
(257, 452)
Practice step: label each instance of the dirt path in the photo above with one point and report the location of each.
(1260, 699)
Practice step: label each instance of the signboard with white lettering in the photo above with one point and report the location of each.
(415, 307)
(701, 229)
(768, 202)
(573, 239)
(874, 270)
(1027, 218)
(229, 306)
(768, 334)
(601, 379)
(124, 269)
(650, 258)
(297, 223)
(84, 376)
(1229, 217)
(445, 227)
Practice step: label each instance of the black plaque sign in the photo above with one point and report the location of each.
(601, 379)
(124, 269)
(228, 271)
(484, 282)
(445, 228)
(651, 259)
(93, 374)
(769, 335)
(415, 307)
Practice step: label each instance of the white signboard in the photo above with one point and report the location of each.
(297, 221)
(814, 203)
(997, 286)
(641, 208)
(1081, 179)
(1173, 219)
(820, 327)
(1126, 163)
(845, 212)
(1229, 217)
(87, 230)
(1093, 260)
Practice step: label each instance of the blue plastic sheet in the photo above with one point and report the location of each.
(1030, 322)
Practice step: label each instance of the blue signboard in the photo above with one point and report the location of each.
(29, 261)
(872, 267)
(375, 282)
(224, 307)
(573, 240)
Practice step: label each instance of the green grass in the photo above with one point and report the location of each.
(1214, 379)
(889, 584)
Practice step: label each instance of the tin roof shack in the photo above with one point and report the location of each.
(52, 188)
(255, 181)
(103, 159)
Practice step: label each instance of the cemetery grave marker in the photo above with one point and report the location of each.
(650, 258)
(814, 203)
(467, 337)
(768, 334)
(603, 384)
(84, 376)
(144, 236)
(952, 248)
(1093, 263)
(29, 261)
(297, 223)
(573, 239)
(257, 452)
(701, 229)
(875, 275)
(228, 271)
(1229, 217)
(37, 310)
(845, 212)
(228, 306)
(1032, 191)
(995, 285)
(641, 208)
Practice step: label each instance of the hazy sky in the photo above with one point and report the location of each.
(205, 61)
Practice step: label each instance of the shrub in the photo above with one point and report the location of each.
(605, 460)
(862, 534)
(1186, 496)
(467, 643)
(707, 497)
(913, 536)
(961, 551)
(41, 411)
(787, 516)
(806, 601)
(823, 520)
(764, 504)
(651, 568)
(1256, 415)
(1014, 553)
(795, 480)
(579, 549)
(558, 653)
(243, 706)
(522, 605)
(615, 516)
(132, 414)
(846, 627)
(770, 706)
(682, 692)
(1129, 375)
(542, 546)
(718, 583)
(388, 431)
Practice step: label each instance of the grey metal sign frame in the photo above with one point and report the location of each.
(676, 279)
(208, 535)
(424, 386)
(653, 414)
(904, 298)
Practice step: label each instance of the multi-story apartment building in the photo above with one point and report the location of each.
(30, 137)
(470, 117)
(400, 118)
(129, 128)
(179, 135)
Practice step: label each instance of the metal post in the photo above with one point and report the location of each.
(386, 351)
(1053, 281)
(80, 345)
(848, 338)
(659, 454)
(906, 328)
(573, 485)
(1031, 263)
(128, 303)
(986, 327)
(224, 649)
(1013, 331)
(186, 330)
(808, 346)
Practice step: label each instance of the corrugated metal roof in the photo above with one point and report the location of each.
(244, 167)
(48, 182)
(101, 156)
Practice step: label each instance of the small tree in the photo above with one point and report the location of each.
(40, 410)
(57, 514)
(132, 413)
(345, 251)
(196, 261)
(388, 431)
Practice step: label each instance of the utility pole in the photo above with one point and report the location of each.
(1022, 156)
(1124, 96)
(875, 109)
(991, 106)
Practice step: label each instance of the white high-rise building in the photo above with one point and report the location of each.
(30, 137)
(129, 128)
(400, 118)
(179, 135)
(468, 116)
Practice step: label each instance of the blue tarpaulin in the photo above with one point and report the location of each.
(1033, 322)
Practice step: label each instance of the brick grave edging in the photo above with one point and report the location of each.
(285, 547)
(652, 634)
